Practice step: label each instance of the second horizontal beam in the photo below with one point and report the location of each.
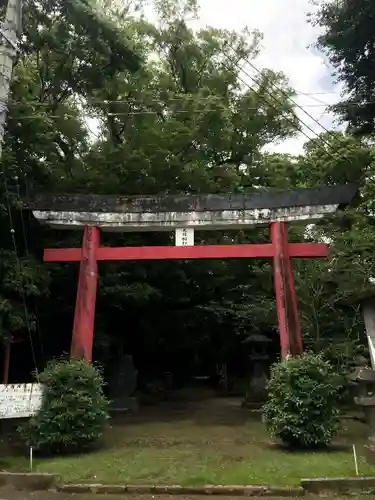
(249, 251)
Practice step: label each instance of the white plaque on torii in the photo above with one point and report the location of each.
(184, 237)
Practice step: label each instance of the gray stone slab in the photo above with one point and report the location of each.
(324, 195)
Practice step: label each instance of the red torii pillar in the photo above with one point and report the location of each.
(280, 250)
(84, 316)
(286, 300)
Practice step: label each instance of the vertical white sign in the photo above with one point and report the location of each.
(184, 237)
(372, 351)
(369, 319)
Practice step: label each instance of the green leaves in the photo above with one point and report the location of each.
(105, 101)
(301, 409)
(348, 41)
(21, 279)
(73, 412)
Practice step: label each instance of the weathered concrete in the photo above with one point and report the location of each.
(167, 221)
(258, 199)
(158, 213)
(29, 481)
(230, 490)
(209, 211)
(345, 485)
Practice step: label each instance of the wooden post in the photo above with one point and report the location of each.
(6, 362)
(296, 344)
(286, 301)
(84, 316)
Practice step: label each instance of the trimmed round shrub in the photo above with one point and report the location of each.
(74, 409)
(302, 406)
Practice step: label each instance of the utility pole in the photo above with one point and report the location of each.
(10, 30)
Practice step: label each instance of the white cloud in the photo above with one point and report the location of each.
(286, 47)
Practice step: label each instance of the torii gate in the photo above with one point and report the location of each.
(182, 214)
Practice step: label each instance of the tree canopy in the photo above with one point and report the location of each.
(349, 42)
(105, 101)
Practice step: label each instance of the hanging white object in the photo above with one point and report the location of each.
(372, 351)
(20, 400)
(369, 319)
(184, 237)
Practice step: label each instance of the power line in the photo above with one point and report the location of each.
(287, 118)
(167, 110)
(19, 271)
(10, 30)
(321, 139)
(137, 113)
(132, 100)
(276, 99)
(288, 96)
(23, 225)
(166, 103)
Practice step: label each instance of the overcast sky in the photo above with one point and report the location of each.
(286, 46)
(287, 37)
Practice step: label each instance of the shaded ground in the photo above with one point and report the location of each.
(206, 441)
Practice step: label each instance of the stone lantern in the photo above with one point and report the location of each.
(259, 359)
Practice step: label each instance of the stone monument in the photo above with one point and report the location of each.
(364, 378)
(123, 383)
(257, 390)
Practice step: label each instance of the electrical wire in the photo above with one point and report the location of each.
(278, 101)
(191, 97)
(19, 271)
(67, 116)
(318, 137)
(23, 225)
(207, 98)
(280, 89)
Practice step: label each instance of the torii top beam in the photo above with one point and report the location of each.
(209, 211)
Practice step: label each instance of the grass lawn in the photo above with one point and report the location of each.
(206, 442)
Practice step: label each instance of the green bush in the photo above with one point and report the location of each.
(74, 409)
(301, 409)
(342, 357)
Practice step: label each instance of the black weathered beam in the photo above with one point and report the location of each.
(324, 195)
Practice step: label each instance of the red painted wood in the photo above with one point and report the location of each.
(298, 250)
(294, 326)
(67, 254)
(6, 362)
(280, 250)
(84, 316)
(286, 301)
(280, 289)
